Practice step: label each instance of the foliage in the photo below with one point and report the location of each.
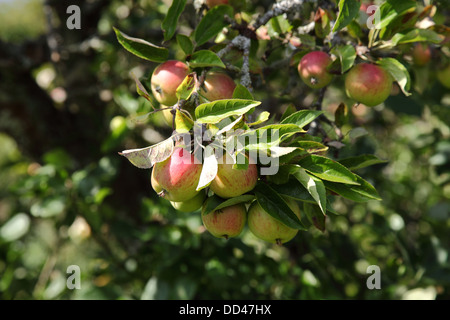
(374, 182)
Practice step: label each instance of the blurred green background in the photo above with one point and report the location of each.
(67, 107)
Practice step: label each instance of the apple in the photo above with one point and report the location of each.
(230, 182)
(368, 84)
(176, 178)
(443, 76)
(218, 86)
(227, 222)
(213, 3)
(421, 54)
(190, 205)
(165, 80)
(267, 228)
(313, 69)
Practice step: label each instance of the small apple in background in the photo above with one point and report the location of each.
(165, 80)
(213, 3)
(176, 178)
(421, 54)
(190, 205)
(443, 76)
(267, 228)
(227, 222)
(313, 69)
(230, 182)
(368, 84)
(217, 86)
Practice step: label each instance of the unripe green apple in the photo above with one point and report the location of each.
(267, 228)
(368, 84)
(227, 222)
(190, 205)
(421, 54)
(218, 86)
(176, 178)
(443, 76)
(165, 80)
(213, 3)
(230, 182)
(313, 69)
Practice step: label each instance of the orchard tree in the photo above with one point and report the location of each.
(231, 149)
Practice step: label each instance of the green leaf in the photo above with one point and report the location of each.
(390, 10)
(315, 215)
(361, 193)
(216, 203)
(241, 92)
(302, 118)
(322, 23)
(399, 72)
(314, 186)
(361, 161)
(183, 123)
(417, 35)
(269, 199)
(205, 58)
(327, 169)
(340, 115)
(185, 43)
(212, 23)
(186, 87)
(262, 117)
(290, 109)
(170, 22)
(348, 10)
(141, 48)
(310, 146)
(268, 136)
(209, 168)
(145, 158)
(346, 56)
(213, 112)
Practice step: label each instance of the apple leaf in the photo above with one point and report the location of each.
(182, 122)
(361, 161)
(214, 112)
(348, 10)
(302, 118)
(185, 43)
(390, 10)
(399, 72)
(315, 215)
(209, 168)
(145, 158)
(212, 23)
(327, 169)
(262, 117)
(205, 58)
(216, 203)
(346, 57)
(241, 92)
(361, 193)
(266, 137)
(169, 24)
(186, 87)
(417, 35)
(141, 48)
(314, 186)
(269, 199)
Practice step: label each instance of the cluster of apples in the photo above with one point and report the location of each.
(365, 83)
(177, 177)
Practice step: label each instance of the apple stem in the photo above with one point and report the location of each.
(162, 193)
(225, 236)
(278, 241)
